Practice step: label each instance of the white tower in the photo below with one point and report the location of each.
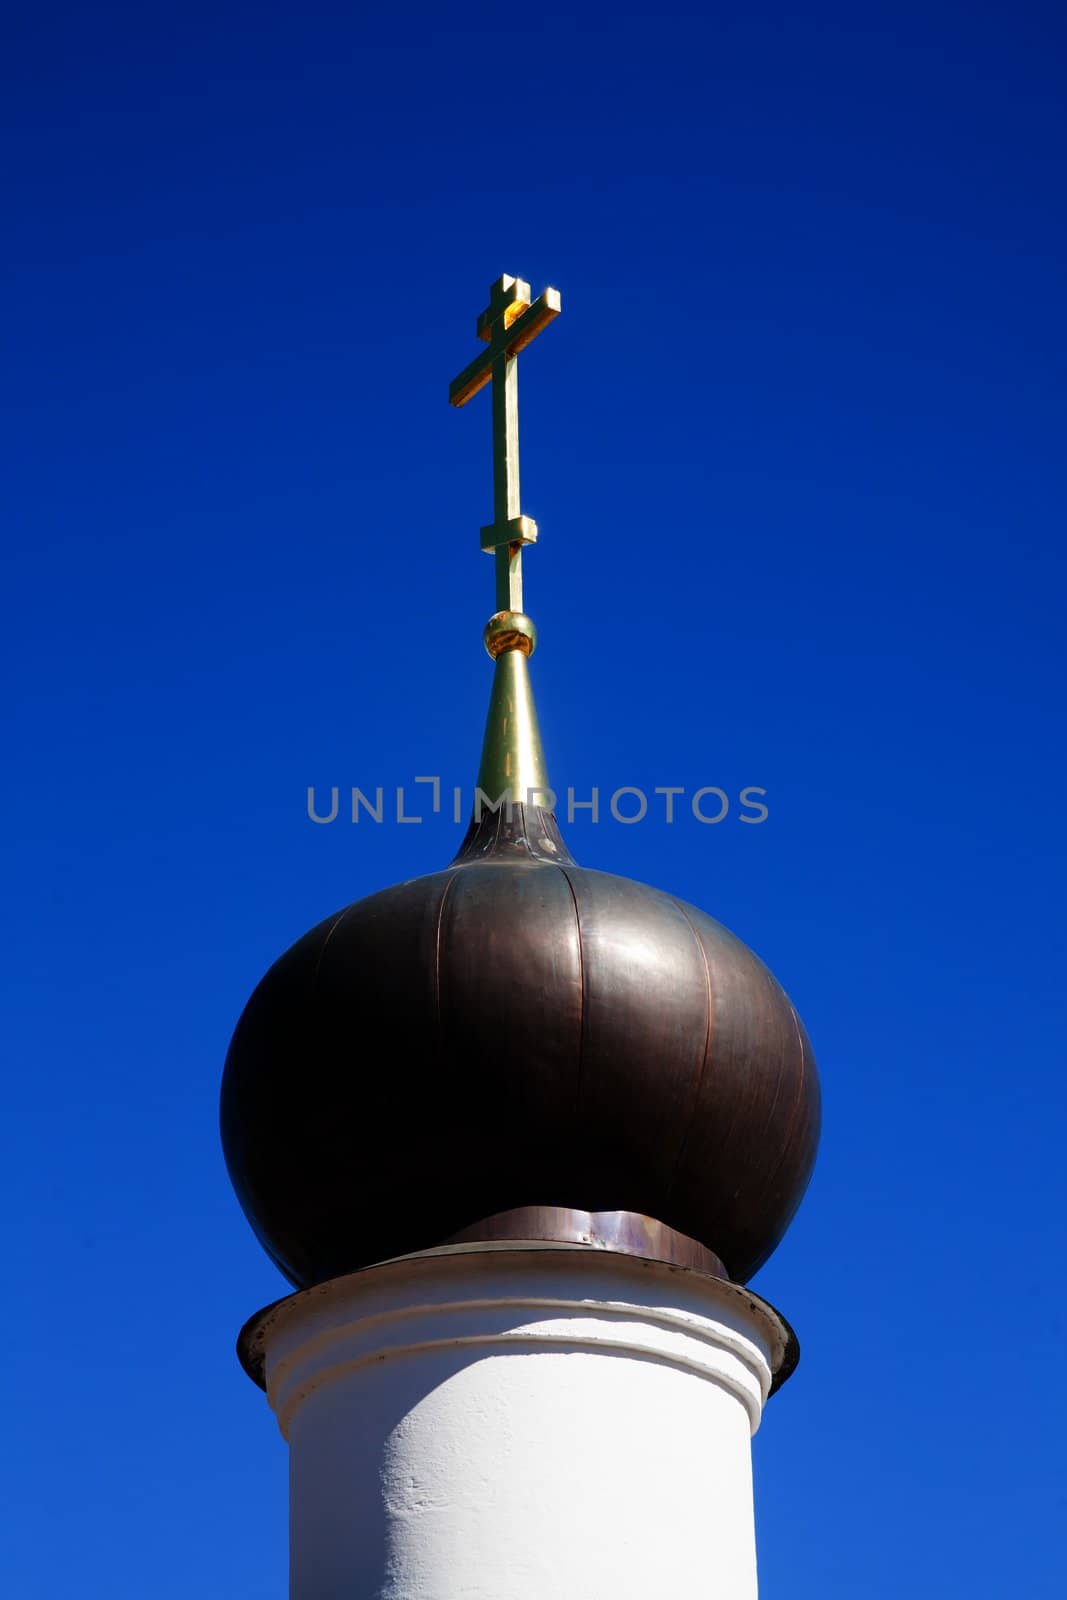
(507, 1421)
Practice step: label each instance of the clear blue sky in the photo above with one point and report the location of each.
(796, 451)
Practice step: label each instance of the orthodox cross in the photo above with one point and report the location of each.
(508, 324)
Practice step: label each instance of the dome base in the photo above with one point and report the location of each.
(625, 1232)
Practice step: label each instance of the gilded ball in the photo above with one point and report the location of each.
(510, 630)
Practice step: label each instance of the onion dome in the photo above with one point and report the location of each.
(517, 1047)
(461, 1055)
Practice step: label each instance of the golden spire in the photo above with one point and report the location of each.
(512, 759)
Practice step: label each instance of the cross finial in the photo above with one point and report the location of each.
(508, 324)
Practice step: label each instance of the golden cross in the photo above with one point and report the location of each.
(508, 324)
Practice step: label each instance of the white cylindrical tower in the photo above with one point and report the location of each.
(520, 1421)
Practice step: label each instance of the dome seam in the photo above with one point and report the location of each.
(445, 892)
(334, 925)
(579, 1075)
(798, 1100)
(709, 1007)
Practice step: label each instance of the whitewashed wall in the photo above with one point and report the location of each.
(502, 1422)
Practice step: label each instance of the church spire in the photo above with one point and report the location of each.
(512, 762)
(514, 1108)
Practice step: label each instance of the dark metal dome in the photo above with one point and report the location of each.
(518, 1036)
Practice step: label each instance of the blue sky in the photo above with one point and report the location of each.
(795, 448)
